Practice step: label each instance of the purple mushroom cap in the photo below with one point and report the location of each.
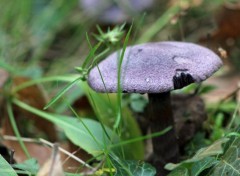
(152, 67)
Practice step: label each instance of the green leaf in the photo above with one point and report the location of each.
(206, 89)
(203, 164)
(230, 164)
(30, 165)
(212, 150)
(106, 107)
(138, 102)
(86, 133)
(132, 168)
(229, 106)
(230, 161)
(5, 168)
(180, 171)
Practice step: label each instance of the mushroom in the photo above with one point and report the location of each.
(112, 12)
(157, 69)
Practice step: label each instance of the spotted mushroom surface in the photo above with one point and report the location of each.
(155, 67)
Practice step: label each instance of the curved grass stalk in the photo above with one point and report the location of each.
(15, 129)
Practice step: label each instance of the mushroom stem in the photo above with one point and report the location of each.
(165, 147)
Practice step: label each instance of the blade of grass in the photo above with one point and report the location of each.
(118, 160)
(75, 113)
(6, 66)
(58, 121)
(106, 146)
(109, 165)
(142, 137)
(90, 55)
(103, 83)
(88, 41)
(96, 110)
(119, 93)
(138, 26)
(55, 98)
(234, 116)
(99, 56)
(159, 24)
(24, 85)
(15, 129)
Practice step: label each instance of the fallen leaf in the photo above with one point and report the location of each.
(224, 85)
(212, 150)
(33, 96)
(53, 166)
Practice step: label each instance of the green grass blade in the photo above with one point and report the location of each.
(15, 129)
(143, 137)
(85, 126)
(234, 116)
(88, 41)
(104, 84)
(119, 93)
(24, 85)
(99, 56)
(96, 110)
(159, 24)
(91, 55)
(76, 131)
(54, 99)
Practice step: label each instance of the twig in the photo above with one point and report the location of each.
(55, 157)
(73, 153)
(43, 141)
(91, 172)
(66, 152)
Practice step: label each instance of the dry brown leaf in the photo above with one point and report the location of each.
(53, 166)
(71, 165)
(40, 152)
(223, 41)
(83, 107)
(226, 34)
(228, 27)
(228, 23)
(33, 96)
(225, 85)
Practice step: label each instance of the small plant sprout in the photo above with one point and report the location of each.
(111, 36)
(157, 69)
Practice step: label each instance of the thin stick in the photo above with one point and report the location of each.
(43, 141)
(66, 152)
(55, 157)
